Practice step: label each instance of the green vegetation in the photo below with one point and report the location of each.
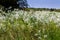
(45, 9)
(29, 25)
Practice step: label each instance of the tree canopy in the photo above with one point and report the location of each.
(14, 3)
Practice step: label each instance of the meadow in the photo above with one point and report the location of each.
(30, 25)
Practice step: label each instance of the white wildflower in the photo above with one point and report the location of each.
(16, 15)
(39, 38)
(45, 36)
(36, 34)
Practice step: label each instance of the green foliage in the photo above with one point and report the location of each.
(23, 25)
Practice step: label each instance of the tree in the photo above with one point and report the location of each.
(22, 3)
(14, 3)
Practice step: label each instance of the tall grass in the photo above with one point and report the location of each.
(30, 25)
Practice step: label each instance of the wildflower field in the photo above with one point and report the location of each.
(30, 25)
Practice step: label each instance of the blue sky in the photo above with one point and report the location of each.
(44, 3)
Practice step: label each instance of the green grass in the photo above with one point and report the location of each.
(22, 25)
